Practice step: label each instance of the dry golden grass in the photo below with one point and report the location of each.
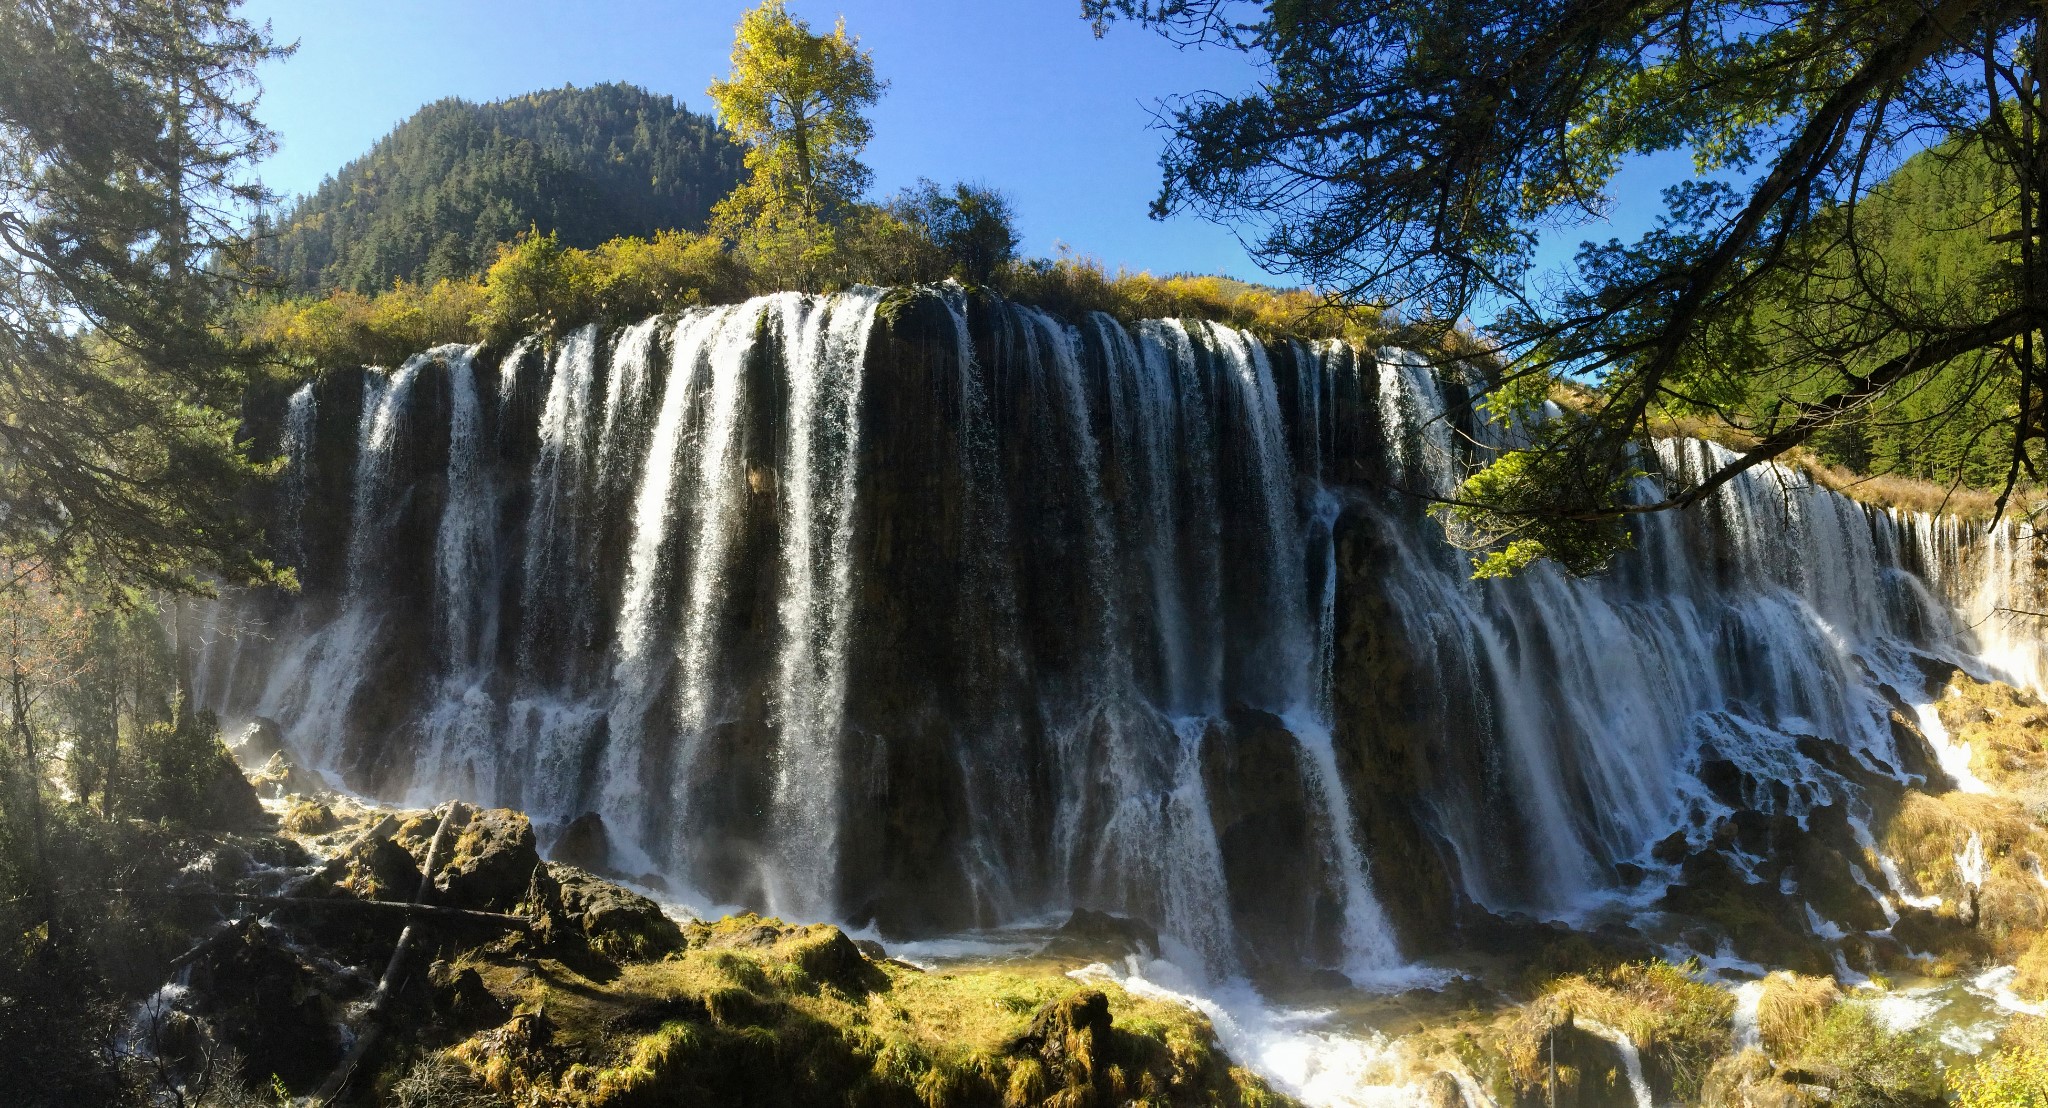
(1075, 285)
(1927, 835)
(2006, 730)
(1791, 1010)
(2032, 981)
(1881, 490)
(1907, 494)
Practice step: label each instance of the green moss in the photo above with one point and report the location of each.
(758, 1012)
(309, 817)
(1863, 1065)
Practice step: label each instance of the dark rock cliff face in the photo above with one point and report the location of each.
(1287, 909)
(1391, 747)
(931, 611)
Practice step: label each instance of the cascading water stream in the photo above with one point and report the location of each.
(463, 547)
(827, 345)
(300, 413)
(554, 596)
(1297, 680)
(384, 405)
(639, 670)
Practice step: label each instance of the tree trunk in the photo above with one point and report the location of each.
(32, 787)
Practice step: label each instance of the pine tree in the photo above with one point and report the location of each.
(126, 139)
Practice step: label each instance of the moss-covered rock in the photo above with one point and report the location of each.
(375, 867)
(613, 921)
(1678, 1024)
(280, 1010)
(1756, 917)
(280, 777)
(1858, 1063)
(1791, 1008)
(1103, 936)
(1990, 888)
(1748, 1080)
(308, 817)
(258, 742)
(2005, 729)
(488, 856)
(759, 1012)
(584, 843)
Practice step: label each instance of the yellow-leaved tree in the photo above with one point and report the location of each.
(794, 99)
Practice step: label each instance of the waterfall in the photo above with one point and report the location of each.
(385, 399)
(829, 343)
(462, 550)
(300, 412)
(1631, 1059)
(933, 611)
(554, 584)
(652, 505)
(457, 751)
(316, 683)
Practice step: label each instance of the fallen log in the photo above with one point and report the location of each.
(373, 1019)
(350, 904)
(220, 935)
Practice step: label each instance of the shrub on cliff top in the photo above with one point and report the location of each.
(538, 285)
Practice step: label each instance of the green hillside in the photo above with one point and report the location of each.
(1929, 255)
(436, 196)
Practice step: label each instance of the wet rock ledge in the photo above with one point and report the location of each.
(535, 983)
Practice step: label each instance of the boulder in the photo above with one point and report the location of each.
(257, 743)
(613, 921)
(228, 802)
(488, 856)
(280, 777)
(584, 844)
(374, 867)
(1071, 1038)
(1089, 934)
(308, 817)
(824, 952)
(460, 997)
(274, 1006)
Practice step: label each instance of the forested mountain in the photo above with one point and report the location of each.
(436, 196)
(1931, 253)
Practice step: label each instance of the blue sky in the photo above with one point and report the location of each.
(1019, 95)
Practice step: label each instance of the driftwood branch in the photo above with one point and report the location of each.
(373, 1020)
(347, 904)
(220, 935)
